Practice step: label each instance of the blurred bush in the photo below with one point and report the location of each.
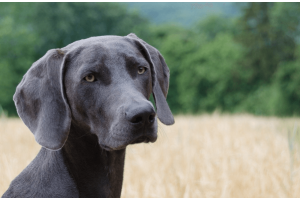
(249, 63)
(29, 30)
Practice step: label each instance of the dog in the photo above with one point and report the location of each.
(85, 103)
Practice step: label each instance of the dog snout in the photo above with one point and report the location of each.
(142, 114)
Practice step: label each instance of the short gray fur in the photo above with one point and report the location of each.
(84, 127)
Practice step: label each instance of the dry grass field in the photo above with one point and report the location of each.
(200, 156)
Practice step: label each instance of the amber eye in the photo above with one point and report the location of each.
(141, 70)
(90, 78)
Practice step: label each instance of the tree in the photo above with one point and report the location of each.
(59, 24)
(29, 30)
(267, 39)
(16, 54)
(174, 43)
(212, 77)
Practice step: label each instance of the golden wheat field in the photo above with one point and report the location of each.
(200, 156)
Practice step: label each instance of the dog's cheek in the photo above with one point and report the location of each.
(100, 115)
(144, 84)
(80, 104)
(81, 101)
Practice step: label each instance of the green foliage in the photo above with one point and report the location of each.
(29, 30)
(249, 63)
(59, 24)
(212, 77)
(215, 24)
(205, 70)
(16, 55)
(184, 14)
(268, 33)
(287, 80)
(174, 43)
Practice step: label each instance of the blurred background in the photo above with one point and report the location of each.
(234, 90)
(230, 57)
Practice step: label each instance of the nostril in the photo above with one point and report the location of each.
(137, 119)
(151, 118)
(141, 115)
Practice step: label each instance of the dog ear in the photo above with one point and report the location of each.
(160, 79)
(41, 101)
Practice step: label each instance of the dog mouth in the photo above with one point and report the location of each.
(142, 139)
(107, 148)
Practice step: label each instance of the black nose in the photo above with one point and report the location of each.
(142, 114)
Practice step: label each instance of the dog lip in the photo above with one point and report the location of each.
(143, 139)
(107, 148)
(140, 139)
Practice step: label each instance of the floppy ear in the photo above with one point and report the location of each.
(41, 102)
(160, 79)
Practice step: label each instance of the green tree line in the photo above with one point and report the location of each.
(250, 63)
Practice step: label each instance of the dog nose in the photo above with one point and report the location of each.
(143, 114)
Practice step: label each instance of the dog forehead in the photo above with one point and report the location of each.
(103, 45)
(110, 50)
(111, 55)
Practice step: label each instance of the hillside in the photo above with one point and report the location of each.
(183, 13)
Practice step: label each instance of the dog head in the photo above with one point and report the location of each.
(101, 85)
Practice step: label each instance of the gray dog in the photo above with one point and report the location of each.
(84, 104)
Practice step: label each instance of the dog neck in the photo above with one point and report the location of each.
(95, 171)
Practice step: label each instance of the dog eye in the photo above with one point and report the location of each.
(90, 78)
(141, 70)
